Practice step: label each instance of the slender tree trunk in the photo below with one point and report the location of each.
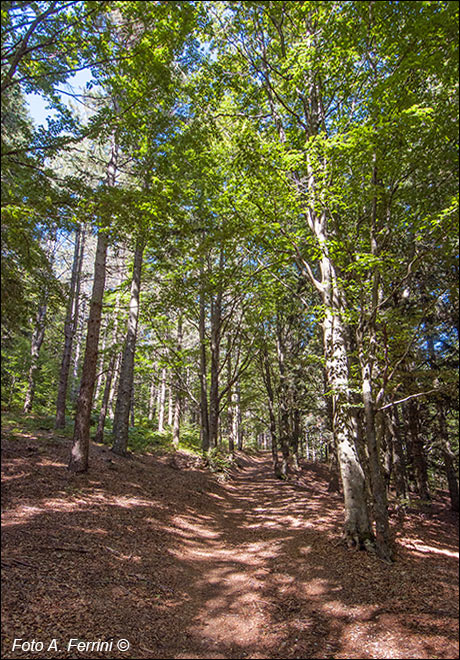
(379, 497)
(216, 320)
(79, 336)
(70, 327)
(162, 401)
(295, 436)
(283, 425)
(230, 424)
(178, 397)
(80, 444)
(387, 450)
(35, 346)
(100, 368)
(230, 396)
(151, 408)
(176, 422)
(114, 386)
(238, 432)
(170, 405)
(110, 374)
(418, 453)
(204, 416)
(399, 457)
(125, 385)
(105, 400)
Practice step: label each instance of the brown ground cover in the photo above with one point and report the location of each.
(159, 552)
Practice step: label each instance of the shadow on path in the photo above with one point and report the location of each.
(185, 567)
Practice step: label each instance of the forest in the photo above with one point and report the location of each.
(230, 334)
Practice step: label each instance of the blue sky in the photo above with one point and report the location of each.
(38, 106)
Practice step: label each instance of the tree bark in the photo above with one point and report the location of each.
(132, 408)
(295, 436)
(162, 401)
(79, 336)
(35, 346)
(105, 400)
(230, 423)
(204, 416)
(70, 327)
(238, 432)
(125, 384)
(216, 321)
(178, 398)
(109, 388)
(100, 368)
(114, 385)
(151, 408)
(379, 497)
(418, 453)
(283, 425)
(399, 457)
(80, 443)
(357, 528)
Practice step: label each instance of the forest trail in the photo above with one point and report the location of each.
(155, 550)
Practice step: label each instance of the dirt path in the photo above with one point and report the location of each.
(159, 553)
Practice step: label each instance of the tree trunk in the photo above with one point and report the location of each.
(109, 387)
(379, 496)
(295, 437)
(357, 528)
(80, 336)
(387, 450)
(151, 408)
(114, 386)
(170, 404)
(35, 346)
(418, 453)
(80, 443)
(230, 423)
(162, 401)
(216, 320)
(399, 458)
(70, 327)
(176, 422)
(238, 432)
(204, 416)
(125, 385)
(283, 425)
(105, 400)
(178, 397)
(100, 369)
(132, 409)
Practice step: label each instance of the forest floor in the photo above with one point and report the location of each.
(157, 551)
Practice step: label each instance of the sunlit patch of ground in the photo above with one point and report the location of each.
(183, 566)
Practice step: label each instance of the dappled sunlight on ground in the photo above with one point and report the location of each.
(186, 567)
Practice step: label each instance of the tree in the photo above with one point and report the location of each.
(125, 385)
(80, 442)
